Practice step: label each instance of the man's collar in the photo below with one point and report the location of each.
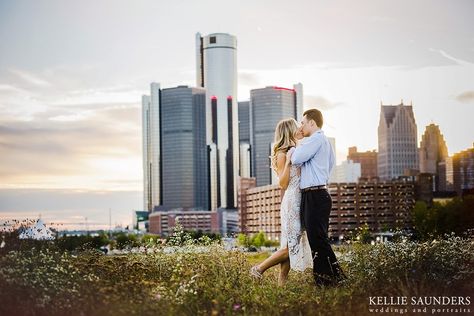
(319, 131)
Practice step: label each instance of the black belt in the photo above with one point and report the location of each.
(317, 187)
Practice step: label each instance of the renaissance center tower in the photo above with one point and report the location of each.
(216, 71)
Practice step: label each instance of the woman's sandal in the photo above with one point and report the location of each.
(255, 273)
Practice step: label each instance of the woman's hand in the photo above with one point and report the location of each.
(289, 154)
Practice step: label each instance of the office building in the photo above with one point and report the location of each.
(164, 222)
(228, 222)
(268, 106)
(152, 195)
(244, 185)
(184, 153)
(367, 160)
(181, 173)
(382, 205)
(397, 142)
(433, 150)
(299, 101)
(216, 71)
(463, 171)
(346, 171)
(244, 139)
(446, 175)
(261, 211)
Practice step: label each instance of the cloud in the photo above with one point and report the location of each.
(30, 78)
(319, 102)
(249, 78)
(466, 97)
(58, 129)
(7, 88)
(121, 112)
(98, 150)
(450, 57)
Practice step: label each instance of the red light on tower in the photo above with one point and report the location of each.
(213, 97)
(229, 97)
(281, 88)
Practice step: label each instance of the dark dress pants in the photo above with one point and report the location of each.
(315, 209)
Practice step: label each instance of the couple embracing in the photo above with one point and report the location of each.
(303, 159)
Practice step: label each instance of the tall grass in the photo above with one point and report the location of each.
(201, 278)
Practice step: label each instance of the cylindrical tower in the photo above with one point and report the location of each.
(217, 72)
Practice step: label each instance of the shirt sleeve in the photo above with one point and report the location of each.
(306, 150)
(332, 158)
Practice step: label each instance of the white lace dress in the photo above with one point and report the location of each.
(292, 234)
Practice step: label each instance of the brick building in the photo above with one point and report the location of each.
(163, 222)
(380, 204)
(367, 160)
(260, 211)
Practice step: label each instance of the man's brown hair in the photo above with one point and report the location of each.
(314, 115)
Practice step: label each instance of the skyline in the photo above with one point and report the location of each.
(79, 85)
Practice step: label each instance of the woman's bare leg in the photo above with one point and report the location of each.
(276, 258)
(284, 270)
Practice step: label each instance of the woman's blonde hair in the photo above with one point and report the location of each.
(284, 139)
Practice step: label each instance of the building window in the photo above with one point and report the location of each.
(212, 40)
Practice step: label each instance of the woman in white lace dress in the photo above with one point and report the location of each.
(294, 252)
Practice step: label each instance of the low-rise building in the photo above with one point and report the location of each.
(261, 211)
(381, 205)
(163, 222)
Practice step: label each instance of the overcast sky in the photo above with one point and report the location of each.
(72, 74)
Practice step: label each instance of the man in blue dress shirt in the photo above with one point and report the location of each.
(315, 155)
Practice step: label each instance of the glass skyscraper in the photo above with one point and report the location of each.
(244, 138)
(152, 194)
(268, 106)
(182, 173)
(216, 71)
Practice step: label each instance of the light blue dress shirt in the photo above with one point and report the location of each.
(315, 155)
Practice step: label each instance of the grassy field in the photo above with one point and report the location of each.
(194, 279)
